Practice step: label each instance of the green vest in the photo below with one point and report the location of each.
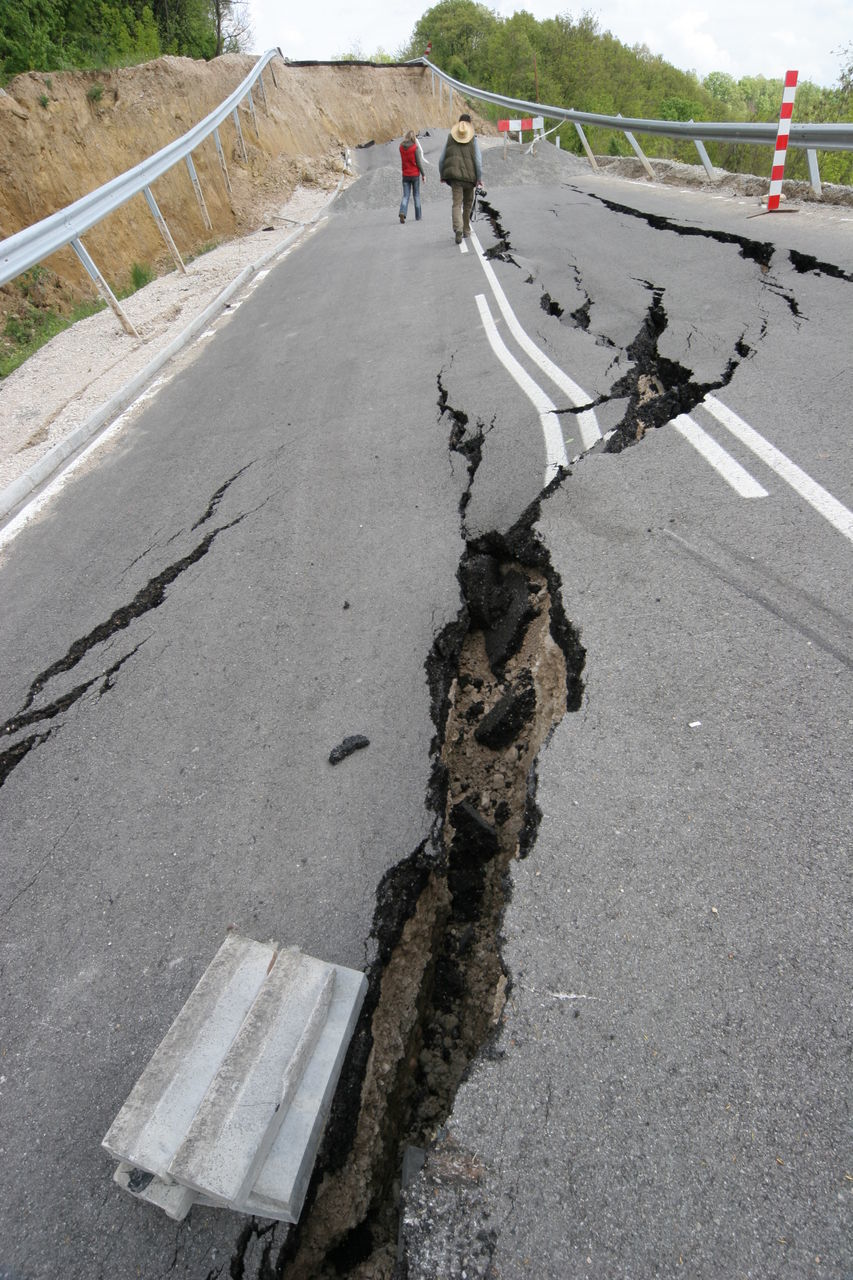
(459, 163)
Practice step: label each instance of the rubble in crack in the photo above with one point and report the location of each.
(502, 676)
(231, 1109)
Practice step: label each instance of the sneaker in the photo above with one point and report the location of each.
(402, 217)
(458, 237)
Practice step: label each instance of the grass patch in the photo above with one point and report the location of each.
(95, 92)
(31, 328)
(141, 275)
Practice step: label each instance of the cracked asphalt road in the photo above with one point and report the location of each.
(667, 1088)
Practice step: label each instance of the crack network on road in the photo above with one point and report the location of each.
(147, 599)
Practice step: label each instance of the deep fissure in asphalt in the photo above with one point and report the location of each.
(659, 389)
(501, 675)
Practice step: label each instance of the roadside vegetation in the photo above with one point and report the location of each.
(38, 306)
(61, 35)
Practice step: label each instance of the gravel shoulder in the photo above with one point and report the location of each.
(60, 387)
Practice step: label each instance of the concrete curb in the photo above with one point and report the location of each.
(13, 497)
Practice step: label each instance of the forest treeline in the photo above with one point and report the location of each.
(564, 60)
(58, 35)
(571, 62)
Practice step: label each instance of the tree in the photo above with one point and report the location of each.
(232, 25)
(458, 29)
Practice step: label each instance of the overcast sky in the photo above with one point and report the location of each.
(743, 37)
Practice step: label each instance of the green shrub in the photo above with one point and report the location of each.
(141, 275)
(95, 92)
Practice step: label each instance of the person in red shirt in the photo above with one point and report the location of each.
(413, 171)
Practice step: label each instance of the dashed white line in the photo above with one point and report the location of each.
(723, 463)
(555, 449)
(823, 502)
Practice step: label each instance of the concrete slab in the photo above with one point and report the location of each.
(279, 1190)
(155, 1118)
(242, 1111)
(174, 1200)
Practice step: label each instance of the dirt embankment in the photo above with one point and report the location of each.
(64, 134)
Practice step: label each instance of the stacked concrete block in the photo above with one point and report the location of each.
(231, 1108)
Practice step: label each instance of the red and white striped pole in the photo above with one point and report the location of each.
(782, 140)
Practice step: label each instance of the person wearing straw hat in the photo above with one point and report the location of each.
(461, 167)
(413, 171)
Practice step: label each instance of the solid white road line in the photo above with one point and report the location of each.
(731, 471)
(57, 484)
(587, 421)
(822, 501)
(555, 449)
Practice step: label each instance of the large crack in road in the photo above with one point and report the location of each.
(502, 675)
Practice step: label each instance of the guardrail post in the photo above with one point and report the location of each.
(223, 166)
(164, 230)
(587, 148)
(198, 192)
(252, 110)
(814, 172)
(263, 91)
(240, 136)
(638, 151)
(103, 288)
(704, 157)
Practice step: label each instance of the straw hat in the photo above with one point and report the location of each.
(462, 131)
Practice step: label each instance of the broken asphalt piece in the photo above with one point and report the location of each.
(499, 605)
(509, 715)
(475, 843)
(355, 742)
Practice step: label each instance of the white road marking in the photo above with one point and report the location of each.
(587, 421)
(818, 497)
(463, 248)
(731, 471)
(57, 484)
(555, 449)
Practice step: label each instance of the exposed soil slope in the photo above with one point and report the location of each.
(64, 134)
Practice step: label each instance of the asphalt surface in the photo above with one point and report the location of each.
(258, 566)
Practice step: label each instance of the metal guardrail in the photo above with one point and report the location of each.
(32, 245)
(26, 248)
(807, 137)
